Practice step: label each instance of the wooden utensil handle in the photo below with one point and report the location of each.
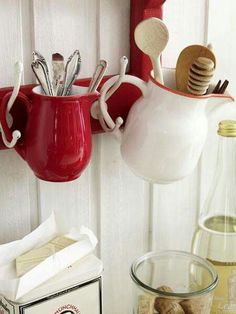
(140, 64)
(157, 70)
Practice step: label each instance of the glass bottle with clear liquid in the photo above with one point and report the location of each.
(215, 237)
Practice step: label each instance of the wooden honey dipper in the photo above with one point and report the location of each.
(200, 75)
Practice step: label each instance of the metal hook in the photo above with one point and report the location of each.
(15, 134)
(95, 110)
(115, 130)
(15, 137)
(100, 112)
(123, 66)
(119, 122)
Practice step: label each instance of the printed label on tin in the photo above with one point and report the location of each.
(5, 307)
(68, 309)
(85, 299)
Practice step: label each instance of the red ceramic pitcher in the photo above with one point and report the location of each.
(57, 140)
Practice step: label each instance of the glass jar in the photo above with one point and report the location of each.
(172, 282)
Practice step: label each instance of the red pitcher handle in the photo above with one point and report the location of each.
(10, 138)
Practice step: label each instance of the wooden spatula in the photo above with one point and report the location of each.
(151, 36)
(186, 58)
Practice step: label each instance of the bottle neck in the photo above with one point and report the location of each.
(222, 197)
(226, 163)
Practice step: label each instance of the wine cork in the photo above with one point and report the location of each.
(167, 306)
(165, 289)
(196, 306)
(146, 304)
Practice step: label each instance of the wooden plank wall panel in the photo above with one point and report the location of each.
(79, 198)
(17, 198)
(114, 32)
(124, 209)
(15, 211)
(220, 35)
(71, 197)
(66, 26)
(27, 43)
(27, 34)
(124, 226)
(63, 26)
(186, 21)
(175, 206)
(10, 34)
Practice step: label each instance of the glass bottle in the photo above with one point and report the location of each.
(215, 237)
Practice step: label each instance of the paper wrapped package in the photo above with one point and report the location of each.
(13, 287)
(75, 290)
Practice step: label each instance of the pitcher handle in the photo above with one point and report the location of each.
(104, 117)
(10, 138)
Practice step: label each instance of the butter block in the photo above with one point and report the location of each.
(31, 259)
(60, 243)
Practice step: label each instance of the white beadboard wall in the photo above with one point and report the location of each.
(128, 215)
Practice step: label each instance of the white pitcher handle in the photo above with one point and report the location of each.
(104, 117)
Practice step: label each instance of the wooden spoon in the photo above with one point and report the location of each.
(151, 36)
(186, 58)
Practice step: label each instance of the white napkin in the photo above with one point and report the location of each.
(12, 287)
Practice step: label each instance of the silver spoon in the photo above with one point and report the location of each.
(97, 76)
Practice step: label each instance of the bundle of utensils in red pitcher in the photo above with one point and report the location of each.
(58, 80)
(60, 83)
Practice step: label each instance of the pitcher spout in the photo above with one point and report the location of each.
(217, 102)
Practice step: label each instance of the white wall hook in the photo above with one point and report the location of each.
(104, 115)
(123, 67)
(107, 90)
(115, 131)
(95, 110)
(15, 134)
(15, 137)
(18, 67)
(99, 110)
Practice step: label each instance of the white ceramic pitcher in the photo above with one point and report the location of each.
(165, 130)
